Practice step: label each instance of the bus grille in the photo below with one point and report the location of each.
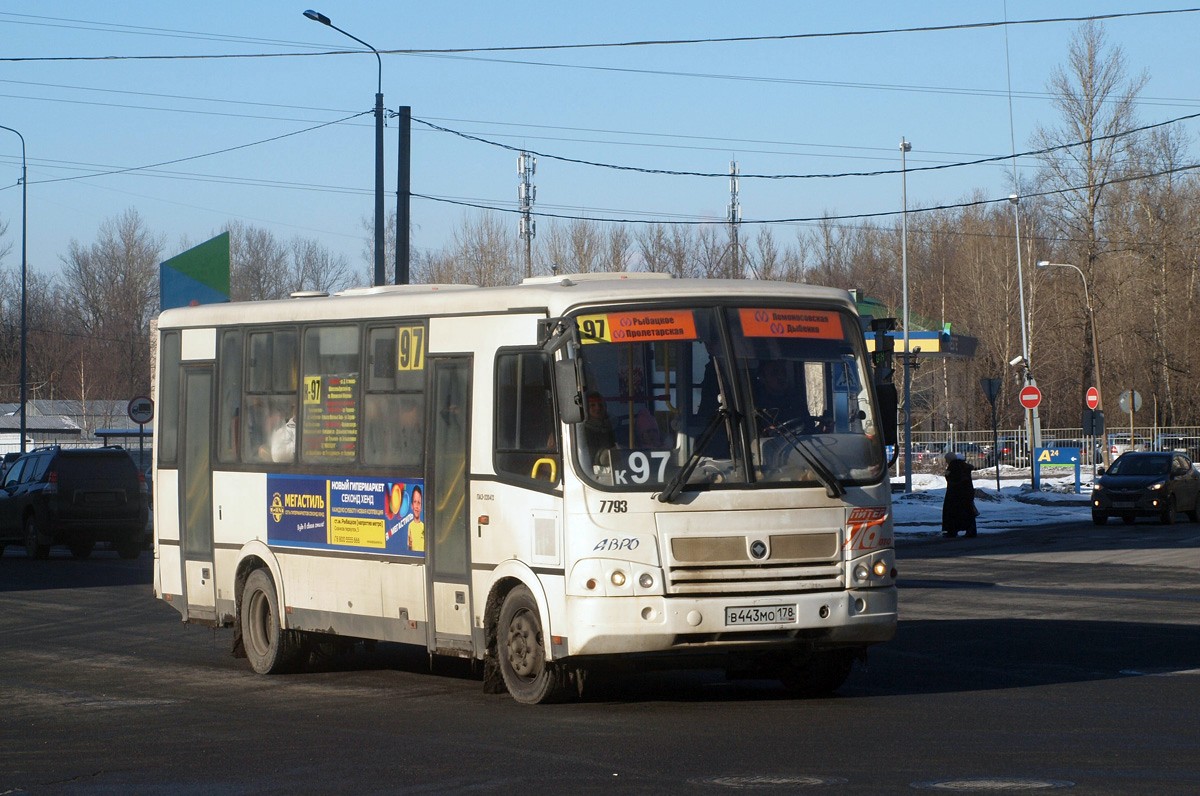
(724, 565)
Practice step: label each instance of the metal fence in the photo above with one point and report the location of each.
(981, 449)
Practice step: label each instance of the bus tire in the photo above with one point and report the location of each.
(818, 674)
(521, 650)
(269, 648)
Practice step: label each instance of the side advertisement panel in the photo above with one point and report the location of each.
(346, 513)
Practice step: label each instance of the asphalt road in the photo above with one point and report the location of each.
(1049, 658)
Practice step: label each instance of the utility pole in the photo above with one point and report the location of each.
(526, 193)
(735, 218)
(404, 198)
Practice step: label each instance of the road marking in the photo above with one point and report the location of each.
(770, 781)
(994, 784)
(1160, 672)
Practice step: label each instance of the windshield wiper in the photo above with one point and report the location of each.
(675, 485)
(812, 457)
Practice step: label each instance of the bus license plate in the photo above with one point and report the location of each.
(760, 614)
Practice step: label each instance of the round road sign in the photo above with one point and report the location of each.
(1093, 398)
(1128, 397)
(1030, 397)
(141, 410)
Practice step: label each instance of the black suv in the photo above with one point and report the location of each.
(76, 497)
(1140, 483)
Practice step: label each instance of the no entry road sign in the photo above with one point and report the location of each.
(1030, 397)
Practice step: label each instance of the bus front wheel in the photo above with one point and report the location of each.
(521, 650)
(269, 648)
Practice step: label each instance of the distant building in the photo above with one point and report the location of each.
(51, 422)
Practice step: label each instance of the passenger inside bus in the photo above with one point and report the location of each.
(648, 434)
(597, 428)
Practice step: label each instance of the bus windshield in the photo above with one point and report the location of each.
(701, 397)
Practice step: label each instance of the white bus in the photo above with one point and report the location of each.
(541, 477)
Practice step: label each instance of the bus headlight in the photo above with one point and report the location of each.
(880, 568)
(861, 573)
(646, 580)
(617, 577)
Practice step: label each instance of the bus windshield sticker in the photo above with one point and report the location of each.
(637, 327)
(346, 513)
(330, 417)
(639, 467)
(410, 348)
(820, 324)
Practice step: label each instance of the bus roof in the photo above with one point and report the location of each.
(551, 295)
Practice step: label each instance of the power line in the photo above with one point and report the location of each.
(814, 219)
(914, 89)
(621, 44)
(197, 157)
(877, 173)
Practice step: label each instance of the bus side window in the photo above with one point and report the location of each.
(268, 403)
(393, 428)
(230, 387)
(526, 436)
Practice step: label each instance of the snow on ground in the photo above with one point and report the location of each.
(1016, 505)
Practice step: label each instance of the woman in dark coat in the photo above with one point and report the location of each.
(958, 509)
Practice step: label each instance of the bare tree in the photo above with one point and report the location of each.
(483, 253)
(1086, 154)
(5, 245)
(618, 243)
(367, 275)
(258, 264)
(114, 294)
(1096, 102)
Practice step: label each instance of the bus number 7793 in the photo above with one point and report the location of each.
(540, 477)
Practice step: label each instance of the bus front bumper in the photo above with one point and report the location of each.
(821, 620)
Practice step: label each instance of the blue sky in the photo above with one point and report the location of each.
(797, 106)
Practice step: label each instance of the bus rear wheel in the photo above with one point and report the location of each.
(521, 650)
(269, 648)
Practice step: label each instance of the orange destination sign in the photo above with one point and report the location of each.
(637, 327)
(791, 323)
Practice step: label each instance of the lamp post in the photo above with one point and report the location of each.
(380, 277)
(905, 147)
(1033, 425)
(24, 326)
(1087, 298)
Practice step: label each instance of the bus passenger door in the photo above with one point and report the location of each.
(447, 531)
(195, 494)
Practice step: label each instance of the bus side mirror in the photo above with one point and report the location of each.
(569, 392)
(889, 404)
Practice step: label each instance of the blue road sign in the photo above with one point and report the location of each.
(1057, 459)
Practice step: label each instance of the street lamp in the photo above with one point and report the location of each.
(905, 147)
(1087, 298)
(380, 278)
(24, 326)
